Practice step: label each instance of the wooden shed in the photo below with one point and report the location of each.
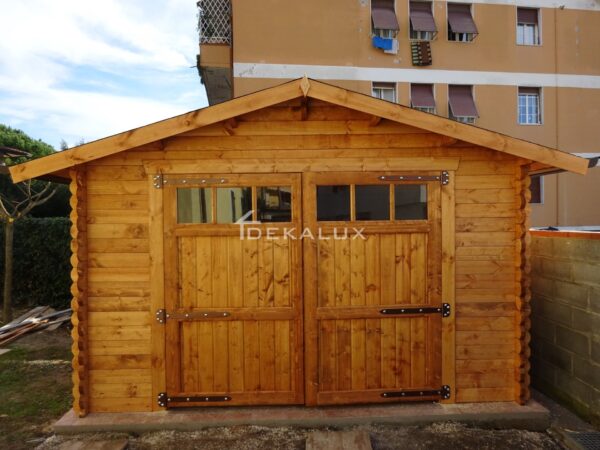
(405, 275)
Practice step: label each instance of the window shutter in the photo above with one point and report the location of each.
(460, 18)
(384, 15)
(460, 98)
(421, 17)
(421, 96)
(527, 15)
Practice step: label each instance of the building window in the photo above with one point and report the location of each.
(537, 190)
(461, 26)
(385, 25)
(422, 25)
(529, 106)
(461, 105)
(528, 30)
(421, 97)
(383, 18)
(385, 91)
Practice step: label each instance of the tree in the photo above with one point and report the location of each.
(17, 201)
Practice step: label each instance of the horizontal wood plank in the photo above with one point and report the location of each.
(127, 332)
(132, 347)
(123, 390)
(478, 395)
(121, 404)
(121, 318)
(118, 303)
(120, 376)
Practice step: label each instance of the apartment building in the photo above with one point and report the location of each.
(526, 68)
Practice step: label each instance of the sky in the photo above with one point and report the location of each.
(82, 69)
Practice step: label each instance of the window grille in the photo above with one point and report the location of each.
(214, 21)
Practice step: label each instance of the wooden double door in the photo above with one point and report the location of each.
(328, 293)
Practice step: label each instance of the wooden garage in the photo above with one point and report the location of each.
(300, 245)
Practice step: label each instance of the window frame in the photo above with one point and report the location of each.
(539, 106)
(378, 31)
(382, 85)
(537, 28)
(392, 216)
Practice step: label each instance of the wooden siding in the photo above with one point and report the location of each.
(119, 289)
(487, 270)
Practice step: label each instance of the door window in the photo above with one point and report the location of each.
(274, 204)
(372, 202)
(194, 205)
(333, 203)
(233, 203)
(410, 202)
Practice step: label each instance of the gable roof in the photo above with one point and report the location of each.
(302, 87)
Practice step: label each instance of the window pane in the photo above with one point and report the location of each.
(233, 203)
(410, 201)
(194, 205)
(274, 204)
(520, 34)
(333, 203)
(372, 202)
(536, 189)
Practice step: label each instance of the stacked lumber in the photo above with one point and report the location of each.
(39, 318)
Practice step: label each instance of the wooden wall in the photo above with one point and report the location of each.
(319, 137)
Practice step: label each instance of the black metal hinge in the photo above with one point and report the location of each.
(445, 178)
(161, 316)
(444, 310)
(164, 399)
(158, 181)
(443, 392)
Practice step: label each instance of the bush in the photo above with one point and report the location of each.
(42, 267)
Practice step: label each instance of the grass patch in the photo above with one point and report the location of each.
(35, 388)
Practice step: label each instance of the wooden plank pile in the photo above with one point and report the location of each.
(37, 319)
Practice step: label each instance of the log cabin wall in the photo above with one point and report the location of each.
(488, 225)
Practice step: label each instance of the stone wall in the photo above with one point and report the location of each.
(566, 319)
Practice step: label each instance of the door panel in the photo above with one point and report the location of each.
(234, 327)
(358, 344)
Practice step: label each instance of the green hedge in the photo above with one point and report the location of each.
(42, 267)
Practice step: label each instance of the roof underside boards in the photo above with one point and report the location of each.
(288, 91)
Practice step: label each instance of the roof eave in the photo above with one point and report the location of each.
(288, 91)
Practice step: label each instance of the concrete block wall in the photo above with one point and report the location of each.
(565, 317)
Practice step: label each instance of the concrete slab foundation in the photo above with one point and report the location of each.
(531, 416)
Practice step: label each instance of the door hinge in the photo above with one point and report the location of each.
(443, 392)
(445, 178)
(446, 310)
(164, 399)
(446, 392)
(158, 181)
(161, 316)
(415, 310)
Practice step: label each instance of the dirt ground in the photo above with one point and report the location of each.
(35, 387)
(442, 436)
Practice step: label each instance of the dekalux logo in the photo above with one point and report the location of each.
(248, 230)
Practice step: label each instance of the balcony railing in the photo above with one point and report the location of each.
(214, 21)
